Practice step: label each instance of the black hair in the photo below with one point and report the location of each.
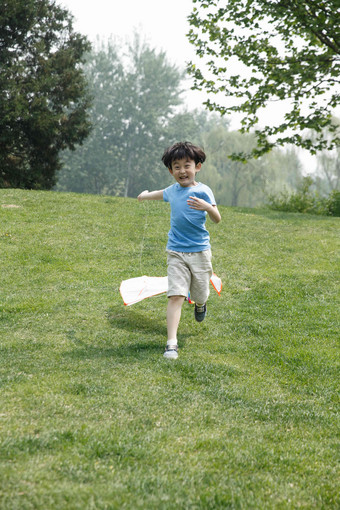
(183, 150)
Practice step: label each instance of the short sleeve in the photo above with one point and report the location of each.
(206, 194)
(167, 193)
(211, 196)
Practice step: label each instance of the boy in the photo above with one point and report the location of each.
(188, 248)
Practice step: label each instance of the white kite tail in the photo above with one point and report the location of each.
(142, 287)
(216, 282)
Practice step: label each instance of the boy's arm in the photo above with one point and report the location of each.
(150, 195)
(202, 205)
(214, 213)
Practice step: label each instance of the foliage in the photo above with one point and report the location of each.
(304, 200)
(136, 94)
(93, 416)
(43, 93)
(328, 168)
(135, 116)
(89, 168)
(284, 170)
(284, 51)
(328, 164)
(333, 203)
(101, 164)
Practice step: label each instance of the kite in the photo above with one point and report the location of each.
(142, 287)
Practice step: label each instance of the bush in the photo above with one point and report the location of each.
(304, 200)
(333, 203)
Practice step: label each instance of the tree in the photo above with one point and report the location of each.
(328, 166)
(228, 178)
(151, 95)
(236, 183)
(285, 170)
(43, 91)
(283, 51)
(96, 166)
(134, 114)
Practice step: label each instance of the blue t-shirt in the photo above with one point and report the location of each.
(187, 226)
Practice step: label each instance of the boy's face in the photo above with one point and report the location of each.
(184, 171)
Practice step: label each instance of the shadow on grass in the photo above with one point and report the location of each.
(135, 335)
(135, 321)
(140, 322)
(128, 351)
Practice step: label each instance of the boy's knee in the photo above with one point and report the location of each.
(200, 291)
(179, 300)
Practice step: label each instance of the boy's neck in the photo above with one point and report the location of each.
(190, 186)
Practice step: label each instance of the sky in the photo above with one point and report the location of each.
(163, 24)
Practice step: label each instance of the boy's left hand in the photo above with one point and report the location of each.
(198, 203)
(201, 205)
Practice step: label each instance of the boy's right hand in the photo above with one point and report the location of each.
(141, 196)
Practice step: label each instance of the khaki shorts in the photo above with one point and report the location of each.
(189, 272)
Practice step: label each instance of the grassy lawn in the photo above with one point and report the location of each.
(91, 414)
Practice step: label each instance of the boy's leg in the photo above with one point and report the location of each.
(201, 270)
(179, 278)
(173, 316)
(178, 287)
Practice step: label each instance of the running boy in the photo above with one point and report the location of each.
(188, 248)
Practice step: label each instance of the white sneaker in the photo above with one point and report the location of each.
(171, 352)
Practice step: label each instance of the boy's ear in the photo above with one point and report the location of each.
(198, 167)
(170, 170)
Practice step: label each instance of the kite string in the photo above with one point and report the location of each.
(146, 213)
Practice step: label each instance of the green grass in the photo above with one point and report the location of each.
(93, 417)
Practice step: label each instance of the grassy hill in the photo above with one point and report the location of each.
(91, 414)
